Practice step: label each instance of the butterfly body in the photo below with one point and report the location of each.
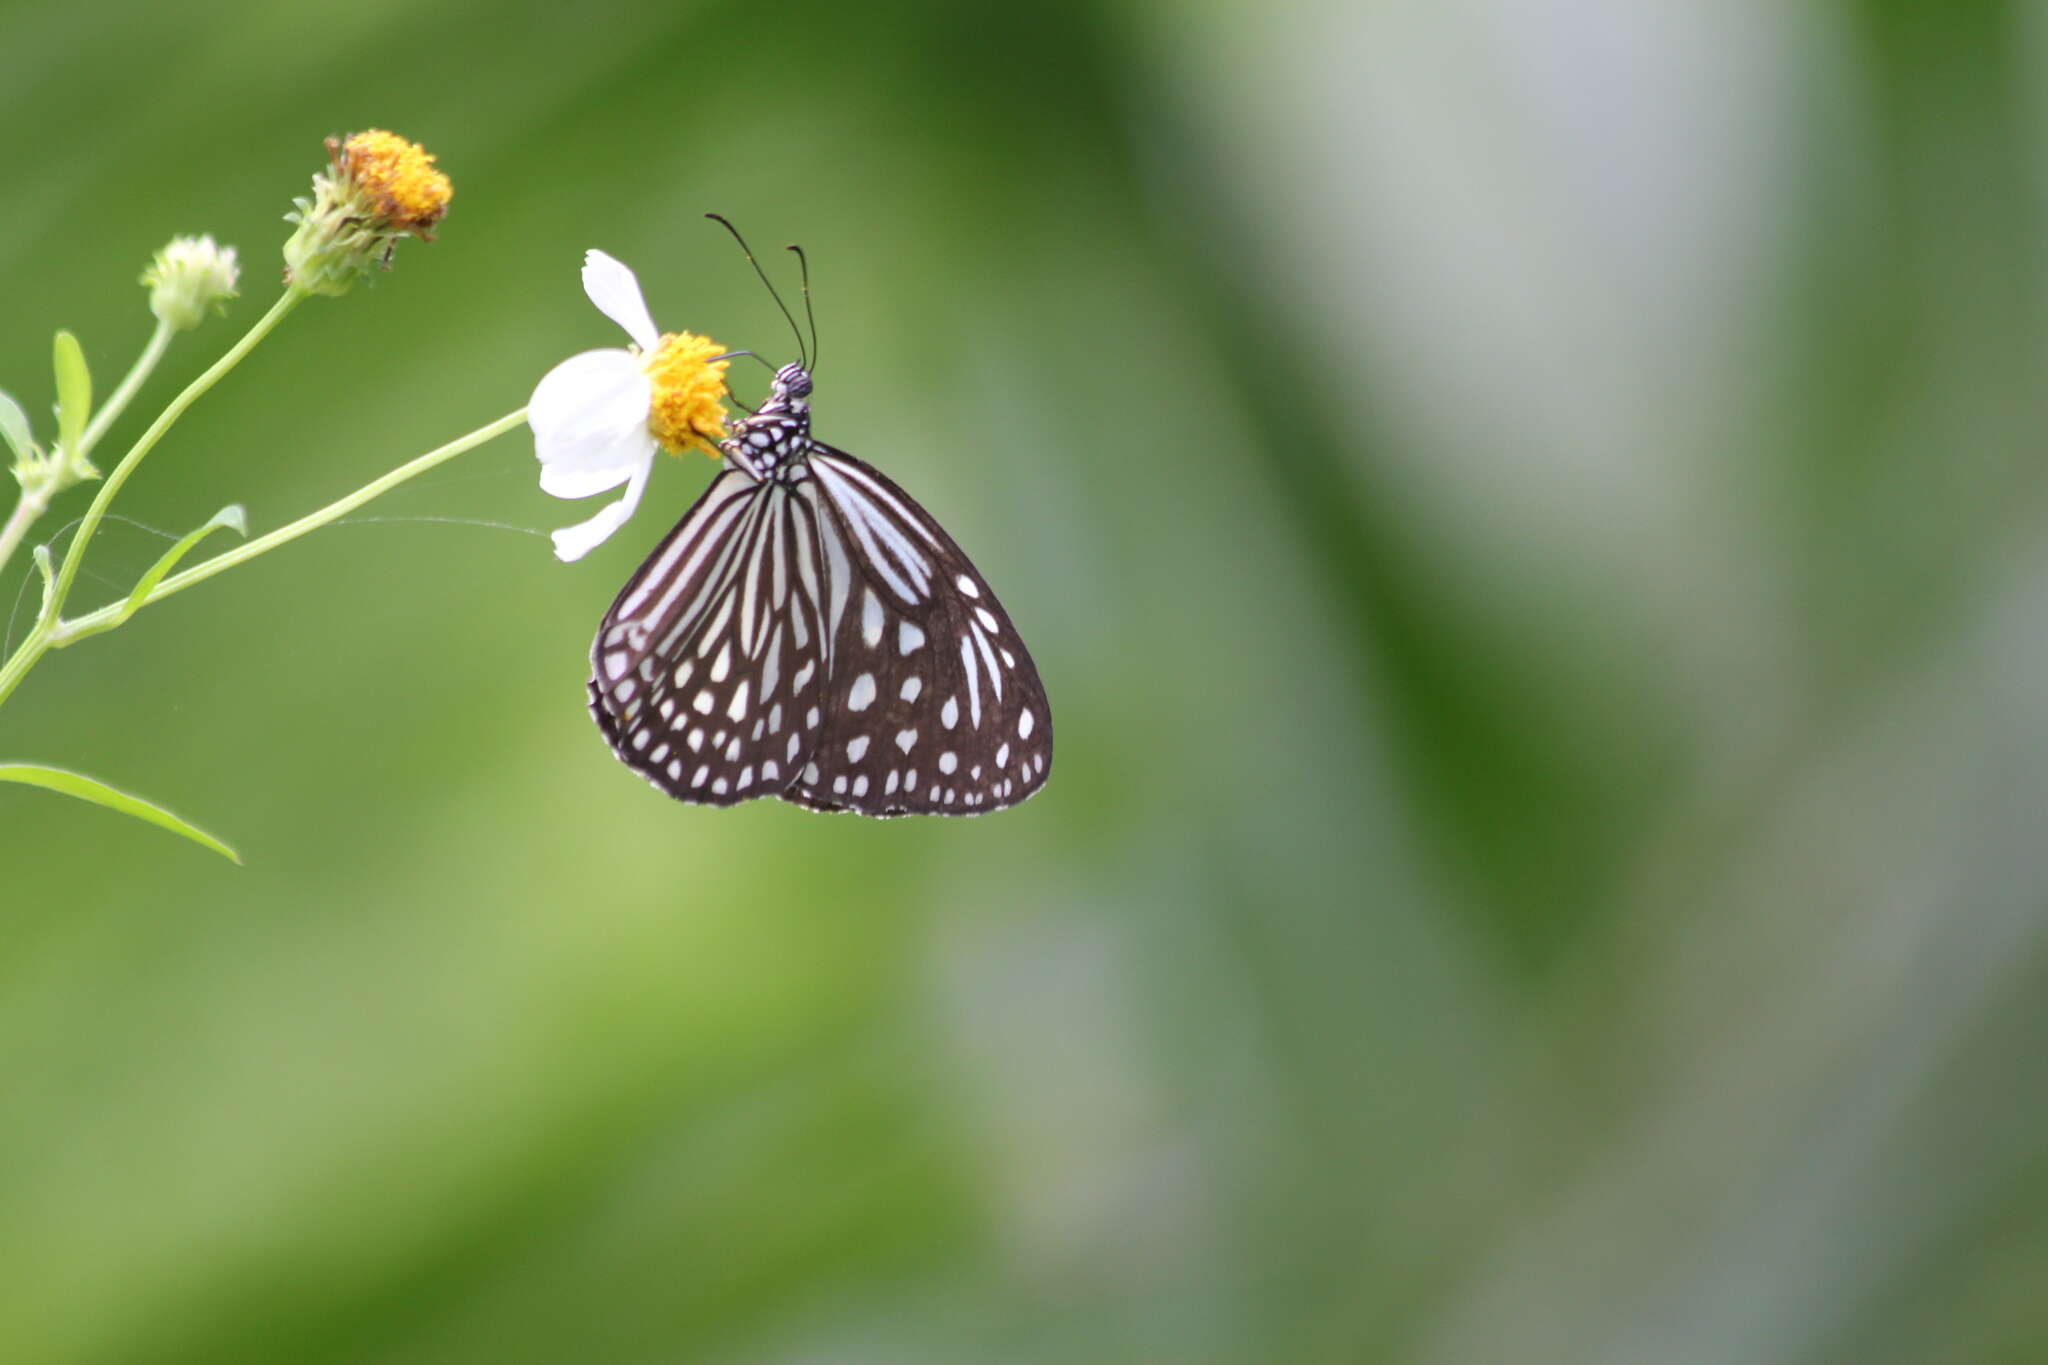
(808, 631)
(775, 440)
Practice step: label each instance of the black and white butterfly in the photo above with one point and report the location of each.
(808, 631)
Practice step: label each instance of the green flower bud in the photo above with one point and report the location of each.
(188, 277)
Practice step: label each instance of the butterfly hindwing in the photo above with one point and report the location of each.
(708, 673)
(934, 706)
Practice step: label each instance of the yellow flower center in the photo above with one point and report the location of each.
(399, 176)
(689, 393)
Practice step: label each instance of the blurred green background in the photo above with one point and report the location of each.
(1531, 518)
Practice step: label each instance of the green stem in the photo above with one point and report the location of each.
(106, 618)
(117, 401)
(31, 506)
(37, 642)
(67, 573)
(35, 502)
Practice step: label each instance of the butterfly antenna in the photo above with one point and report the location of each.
(803, 264)
(735, 355)
(802, 355)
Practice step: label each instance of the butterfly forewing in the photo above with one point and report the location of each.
(708, 675)
(933, 704)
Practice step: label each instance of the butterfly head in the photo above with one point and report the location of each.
(792, 388)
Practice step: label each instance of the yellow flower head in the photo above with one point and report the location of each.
(397, 176)
(377, 188)
(689, 393)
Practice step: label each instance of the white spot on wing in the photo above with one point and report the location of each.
(911, 687)
(949, 714)
(948, 761)
(908, 636)
(905, 738)
(862, 694)
(856, 748)
(871, 618)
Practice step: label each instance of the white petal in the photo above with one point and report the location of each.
(594, 468)
(615, 291)
(574, 542)
(589, 420)
(597, 393)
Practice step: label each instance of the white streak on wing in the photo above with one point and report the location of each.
(867, 522)
(717, 626)
(806, 567)
(750, 601)
(973, 681)
(988, 656)
(782, 520)
(771, 666)
(838, 568)
(874, 488)
(731, 485)
(714, 580)
(721, 544)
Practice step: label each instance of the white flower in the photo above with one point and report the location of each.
(598, 418)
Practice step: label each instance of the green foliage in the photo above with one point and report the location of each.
(15, 429)
(232, 516)
(74, 395)
(100, 794)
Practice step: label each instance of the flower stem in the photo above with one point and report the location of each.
(117, 401)
(31, 506)
(67, 573)
(37, 642)
(36, 500)
(106, 618)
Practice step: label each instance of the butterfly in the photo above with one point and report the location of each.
(809, 631)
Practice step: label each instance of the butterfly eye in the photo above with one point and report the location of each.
(793, 381)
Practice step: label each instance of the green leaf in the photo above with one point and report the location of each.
(74, 394)
(231, 516)
(99, 793)
(14, 428)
